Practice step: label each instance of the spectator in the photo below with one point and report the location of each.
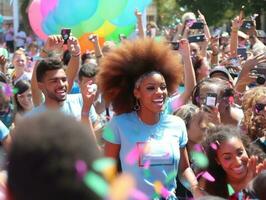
(43, 157)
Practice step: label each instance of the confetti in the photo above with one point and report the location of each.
(15, 90)
(214, 146)
(7, 89)
(138, 195)
(199, 159)
(161, 190)
(106, 166)
(230, 190)
(121, 188)
(108, 134)
(96, 183)
(170, 176)
(81, 168)
(206, 175)
(132, 156)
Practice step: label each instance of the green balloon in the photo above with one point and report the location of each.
(111, 9)
(77, 30)
(93, 23)
(126, 30)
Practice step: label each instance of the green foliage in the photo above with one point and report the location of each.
(218, 11)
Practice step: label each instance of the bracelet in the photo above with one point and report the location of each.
(99, 56)
(75, 55)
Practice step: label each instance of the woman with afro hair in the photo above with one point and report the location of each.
(136, 79)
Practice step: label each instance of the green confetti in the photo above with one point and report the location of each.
(147, 173)
(108, 134)
(15, 90)
(199, 159)
(103, 163)
(170, 177)
(230, 190)
(96, 183)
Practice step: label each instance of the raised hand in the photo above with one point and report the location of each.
(73, 46)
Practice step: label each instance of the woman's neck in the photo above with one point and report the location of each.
(149, 117)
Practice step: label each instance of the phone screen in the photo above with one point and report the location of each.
(211, 99)
(65, 33)
(197, 25)
(242, 52)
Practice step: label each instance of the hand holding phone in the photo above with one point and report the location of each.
(65, 33)
(211, 100)
(196, 38)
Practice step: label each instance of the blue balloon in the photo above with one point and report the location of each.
(49, 25)
(128, 17)
(69, 12)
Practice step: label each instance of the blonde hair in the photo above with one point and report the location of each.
(254, 123)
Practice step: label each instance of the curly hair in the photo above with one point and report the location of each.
(254, 124)
(121, 68)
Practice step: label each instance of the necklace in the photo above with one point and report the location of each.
(155, 131)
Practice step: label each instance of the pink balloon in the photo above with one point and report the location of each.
(47, 6)
(35, 18)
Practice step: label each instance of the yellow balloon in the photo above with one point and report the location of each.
(105, 29)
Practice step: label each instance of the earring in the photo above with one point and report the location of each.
(136, 106)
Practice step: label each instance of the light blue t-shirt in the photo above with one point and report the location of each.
(4, 131)
(157, 147)
(72, 106)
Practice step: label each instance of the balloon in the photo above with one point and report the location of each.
(128, 16)
(93, 23)
(105, 29)
(47, 6)
(50, 26)
(35, 19)
(117, 7)
(86, 44)
(69, 12)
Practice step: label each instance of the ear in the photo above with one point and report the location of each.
(40, 85)
(136, 93)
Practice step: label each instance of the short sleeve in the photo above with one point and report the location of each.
(3, 131)
(93, 115)
(111, 132)
(183, 137)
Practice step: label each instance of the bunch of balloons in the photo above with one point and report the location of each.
(106, 18)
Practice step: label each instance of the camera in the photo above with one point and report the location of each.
(196, 38)
(175, 45)
(260, 73)
(247, 24)
(197, 25)
(65, 33)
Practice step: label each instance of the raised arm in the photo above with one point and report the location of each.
(74, 62)
(190, 78)
(139, 23)
(98, 51)
(206, 27)
(54, 42)
(236, 24)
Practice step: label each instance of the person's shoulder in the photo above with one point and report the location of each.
(124, 117)
(36, 110)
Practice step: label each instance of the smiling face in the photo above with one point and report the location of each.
(54, 85)
(25, 100)
(233, 158)
(151, 93)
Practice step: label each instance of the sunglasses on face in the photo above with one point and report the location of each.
(259, 107)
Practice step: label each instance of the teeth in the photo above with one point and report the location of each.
(239, 169)
(158, 100)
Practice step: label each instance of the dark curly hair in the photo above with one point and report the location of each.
(217, 135)
(120, 69)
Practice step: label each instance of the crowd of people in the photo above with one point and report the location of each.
(180, 118)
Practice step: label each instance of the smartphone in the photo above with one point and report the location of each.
(211, 99)
(197, 25)
(65, 33)
(196, 38)
(242, 51)
(175, 45)
(247, 24)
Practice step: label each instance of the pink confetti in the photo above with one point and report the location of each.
(165, 193)
(197, 148)
(81, 168)
(214, 146)
(7, 89)
(132, 156)
(206, 175)
(147, 164)
(138, 195)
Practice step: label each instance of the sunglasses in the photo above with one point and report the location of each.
(259, 107)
